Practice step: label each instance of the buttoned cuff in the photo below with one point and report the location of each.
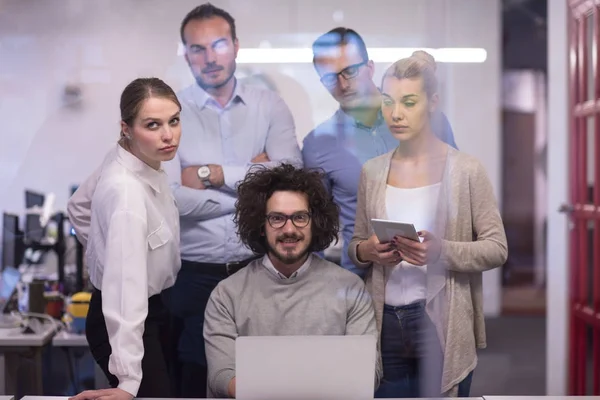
(131, 386)
(233, 175)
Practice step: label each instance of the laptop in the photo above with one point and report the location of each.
(9, 281)
(305, 367)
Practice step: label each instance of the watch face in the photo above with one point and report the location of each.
(203, 172)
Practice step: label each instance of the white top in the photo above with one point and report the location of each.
(417, 206)
(132, 252)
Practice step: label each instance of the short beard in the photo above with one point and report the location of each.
(287, 260)
(206, 86)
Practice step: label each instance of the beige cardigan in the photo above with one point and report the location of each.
(473, 241)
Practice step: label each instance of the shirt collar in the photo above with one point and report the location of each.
(202, 98)
(266, 262)
(347, 119)
(146, 173)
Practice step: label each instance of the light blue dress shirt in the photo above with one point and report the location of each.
(339, 147)
(254, 121)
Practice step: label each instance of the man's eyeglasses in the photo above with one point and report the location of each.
(350, 72)
(278, 220)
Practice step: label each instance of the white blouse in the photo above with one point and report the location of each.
(132, 250)
(407, 282)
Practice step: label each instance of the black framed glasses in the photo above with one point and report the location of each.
(347, 73)
(278, 220)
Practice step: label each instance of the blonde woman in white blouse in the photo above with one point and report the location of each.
(126, 215)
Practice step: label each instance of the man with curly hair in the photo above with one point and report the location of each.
(285, 214)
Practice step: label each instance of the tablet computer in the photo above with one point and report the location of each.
(386, 230)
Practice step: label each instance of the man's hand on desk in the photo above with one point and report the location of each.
(261, 158)
(231, 388)
(104, 394)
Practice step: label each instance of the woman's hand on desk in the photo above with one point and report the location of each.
(419, 253)
(103, 394)
(371, 250)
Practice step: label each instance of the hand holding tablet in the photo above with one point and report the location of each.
(373, 251)
(417, 248)
(386, 230)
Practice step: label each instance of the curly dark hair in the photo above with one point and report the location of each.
(258, 187)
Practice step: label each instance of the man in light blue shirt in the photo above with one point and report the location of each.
(226, 128)
(356, 132)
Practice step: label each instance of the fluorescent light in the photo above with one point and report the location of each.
(274, 56)
(377, 54)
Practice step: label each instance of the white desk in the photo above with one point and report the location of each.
(30, 345)
(14, 337)
(136, 398)
(66, 339)
(541, 397)
(141, 398)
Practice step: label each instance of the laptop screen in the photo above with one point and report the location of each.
(316, 367)
(8, 284)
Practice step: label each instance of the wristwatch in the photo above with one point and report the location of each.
(204, 174)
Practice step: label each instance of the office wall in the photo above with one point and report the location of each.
(524, 173)
(101, 45)
(557, 322)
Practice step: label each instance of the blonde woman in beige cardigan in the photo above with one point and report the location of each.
(428, 294)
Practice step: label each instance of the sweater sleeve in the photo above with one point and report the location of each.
(220, 333)
(489, 248)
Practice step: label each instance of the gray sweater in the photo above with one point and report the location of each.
(323, 299)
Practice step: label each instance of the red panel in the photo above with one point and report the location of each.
(584, 314)
(573, 173)
(581, 196)
(595, 322)
(587, 315)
